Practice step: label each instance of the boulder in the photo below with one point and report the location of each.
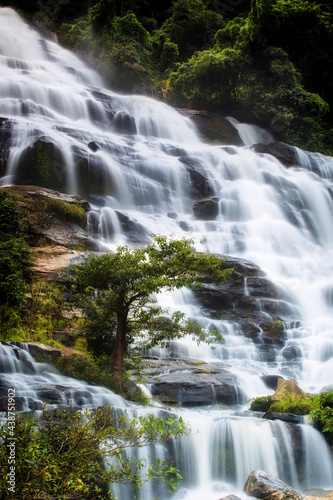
(44, 352)
(262, 485)
(290, 418)
(46, 166)
(191, 383)
(287, 388)
(201, 186)
(133, 230)
(206, 208)
(213, 127)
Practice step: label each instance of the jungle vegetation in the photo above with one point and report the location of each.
(267, 62)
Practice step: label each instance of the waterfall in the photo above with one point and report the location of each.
(143, 168)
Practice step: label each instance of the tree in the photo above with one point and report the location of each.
(122, 284)
(62, 455)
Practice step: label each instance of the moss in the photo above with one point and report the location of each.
(296, 405)
(274, 329)
(42, 164)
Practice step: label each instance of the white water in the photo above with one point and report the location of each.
(280, 219)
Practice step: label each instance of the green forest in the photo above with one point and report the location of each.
(267, 62)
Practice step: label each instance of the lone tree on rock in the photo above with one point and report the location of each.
(118, 289)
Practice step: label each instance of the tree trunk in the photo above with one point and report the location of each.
(117, 356)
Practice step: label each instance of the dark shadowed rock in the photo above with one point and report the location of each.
(133, 230)
(191, 383)
(285, 153)
(206, 208)
(262, 485)
(201, 186)
(270, 381)
(124, 124)
(6, 128)
(42, 164)
(213, 127)
(290, 418)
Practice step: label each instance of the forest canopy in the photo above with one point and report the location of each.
(267, 62)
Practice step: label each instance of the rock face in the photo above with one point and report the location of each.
(192, 383)
(49, 261)
(249, 298)
(262, 485)
(58, 217)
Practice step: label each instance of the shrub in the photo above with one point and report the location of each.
(322, 413)
(261, 404)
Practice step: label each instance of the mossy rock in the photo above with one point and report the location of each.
(42, 164)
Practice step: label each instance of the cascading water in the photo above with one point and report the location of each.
(144, 169)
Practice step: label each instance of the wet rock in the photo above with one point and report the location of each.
(19, 403)
(93, 178)
(285, 153)
(291, 352)
(46, 166)
(93, 146)
(191, 383)
(48, 394)
(201, 186)
(270, 381)
(262, 485)
(290, 418)
(6, 128)
(213, 127)
(133, 230)
(125, 124)
(206, 208)
(185, 226)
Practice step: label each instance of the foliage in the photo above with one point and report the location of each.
(265, 62)
(92, 370)
(15, 258)
(62, 455)
(210, 79)
(262, 403)
(44, 315)
(322, 413)
(305, 31)
(191, 26)
(118, 289)
(297, 405)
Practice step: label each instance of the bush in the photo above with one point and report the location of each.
(322, 413)
(261, 404)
